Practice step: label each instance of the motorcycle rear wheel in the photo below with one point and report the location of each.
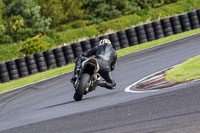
(82, 86)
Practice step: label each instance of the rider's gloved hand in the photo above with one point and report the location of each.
(112, 67)
(83, 54)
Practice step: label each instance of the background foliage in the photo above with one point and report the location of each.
(35, 45)
(67, 21)
(26, 18)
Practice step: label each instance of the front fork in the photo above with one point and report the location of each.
(92, 83)
(76, 83)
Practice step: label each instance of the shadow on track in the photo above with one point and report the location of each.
(84, 99)
(56, 105)
(100, 96)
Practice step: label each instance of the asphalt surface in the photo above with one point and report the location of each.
(48, 106)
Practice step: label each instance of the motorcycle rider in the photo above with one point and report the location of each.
(106, 57)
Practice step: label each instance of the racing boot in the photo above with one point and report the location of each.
(114, 87)
(107, 85)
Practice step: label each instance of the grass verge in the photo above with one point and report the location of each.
(40, 76)
(186, 71)
(34, 78)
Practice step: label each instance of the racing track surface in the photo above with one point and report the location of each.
(48, 106)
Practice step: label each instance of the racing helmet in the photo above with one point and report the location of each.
(104, 41)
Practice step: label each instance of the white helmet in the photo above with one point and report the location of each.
(104, 41)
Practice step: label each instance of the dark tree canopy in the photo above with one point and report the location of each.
(30, 12)
(21, 19)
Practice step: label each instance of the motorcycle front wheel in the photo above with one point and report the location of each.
(85, 78)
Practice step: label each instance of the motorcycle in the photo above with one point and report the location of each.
(87, 79)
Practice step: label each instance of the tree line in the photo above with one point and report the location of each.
(21, 19)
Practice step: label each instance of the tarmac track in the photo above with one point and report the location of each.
(48, 106)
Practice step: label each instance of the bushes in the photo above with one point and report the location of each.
(97, 11)
(79, 33)
(35, 45)
(53, 38)
(79, 23)
(4, 38)
(1, 11)
(144, 4)
(71, 25)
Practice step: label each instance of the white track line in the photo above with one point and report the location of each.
(128, 89)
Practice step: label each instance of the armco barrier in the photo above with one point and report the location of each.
(39, 62)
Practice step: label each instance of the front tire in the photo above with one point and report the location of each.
(82, 86)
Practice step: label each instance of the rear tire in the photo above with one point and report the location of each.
(81, 87)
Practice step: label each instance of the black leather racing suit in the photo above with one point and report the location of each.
(106, 57)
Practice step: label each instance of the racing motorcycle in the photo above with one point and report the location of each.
(87, 78)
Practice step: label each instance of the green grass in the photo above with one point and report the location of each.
(33, 78)
(140, 17)
(186, 71)
(36, 77)
(9, 51)
(135, 48)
